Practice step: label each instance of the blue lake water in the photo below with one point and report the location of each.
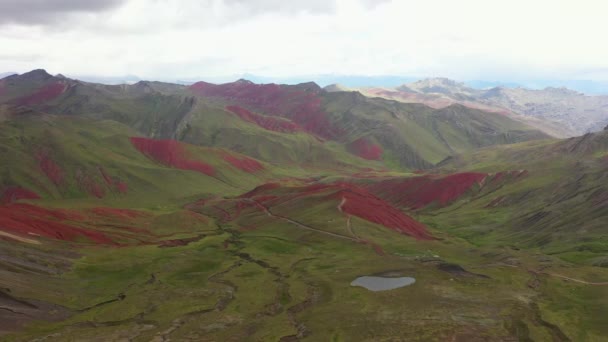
(374, 283)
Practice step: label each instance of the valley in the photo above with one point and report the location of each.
(243, 211)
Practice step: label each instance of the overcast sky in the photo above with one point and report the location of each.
(173, 39)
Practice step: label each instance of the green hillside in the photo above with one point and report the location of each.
(243, 212)
(325, 127)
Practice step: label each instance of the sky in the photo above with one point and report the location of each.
(211, 39)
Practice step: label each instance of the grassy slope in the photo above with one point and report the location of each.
(559, 207)
(260, 278)
(80, 147)
(418, 136)
(240, 282)
(411, 136)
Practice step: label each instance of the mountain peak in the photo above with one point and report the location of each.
(37, 75)
(437, 82)
(336, 87)
(243, 81)
(309, 87)
(561, 91)
(438, 85)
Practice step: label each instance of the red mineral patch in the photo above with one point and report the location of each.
(366, 150)
(28, 220)
(363, 204)
(419, 192)
(267, 122)
(170, 153)
(44, 94)
(355, 200)
(91, 187)
(15, 193)
(260, 190)
(300, 106)
(121, 187)
(53, 172)
(243, 163)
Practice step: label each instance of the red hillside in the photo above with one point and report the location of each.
(53, 172)
(357, 201)
(419, 192)
(303, 107)
(170, 153)
(243, 163)
(44, 94)
(28, 220)
(267, 122)
(363, 204)
(366, 150)
(15, 193)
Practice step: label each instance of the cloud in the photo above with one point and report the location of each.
(41, 12)
(172, 39)
(282, 6)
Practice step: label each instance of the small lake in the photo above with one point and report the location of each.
(375, 284)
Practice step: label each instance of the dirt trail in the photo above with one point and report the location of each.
(341, 204)
(349, 226)
(351, 231)
(302, 225)
(575, 280)
(19, 238)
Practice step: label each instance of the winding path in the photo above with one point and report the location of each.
(301, 225)
(575, 280)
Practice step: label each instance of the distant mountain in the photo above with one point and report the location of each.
(328, 79)
(335, 87)
(6, 74)
(443, 86)
(557, 111)
(112, 80)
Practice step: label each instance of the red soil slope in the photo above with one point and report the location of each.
(243, 163)
(301, 106)
(358, 202)
(15, 193)
(29, 220)
(89, 184)
(363, 204)
(44, 94)
(366, 149)
(119, 186)
(122, 187)
(419, 192)
(170, 153)
(260, 190)
(54, 173)
(267, 122)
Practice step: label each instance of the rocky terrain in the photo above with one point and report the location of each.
(557, 111)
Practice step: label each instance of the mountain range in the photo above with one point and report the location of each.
(241, 211)
(557, 111)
